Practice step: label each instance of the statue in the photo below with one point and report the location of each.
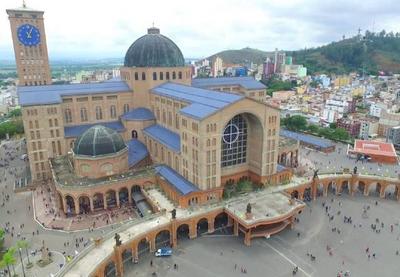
(315, 174)
(173, 213)
(355, 170)
(118, 242)
(45, 253)
(248, 208)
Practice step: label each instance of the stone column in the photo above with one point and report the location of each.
(119, 266)
(100, 272)
(105, 201)
(366, 190)
(192, 230)
(173, 235)
(397, 191)
(247, 238)
(91, 204)
(326, 190)
(236, 228)
(152, 244)
(117, 198)
(129, 196)
(211, 226)
(77, 208)
(64, 205)
(382, 191)
(135, 252)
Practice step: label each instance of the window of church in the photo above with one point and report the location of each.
(161, 75)
(173, 75)
(99, 113)
(180, 75)
(155, 76)
(68, 116)
(234, 142)
(143, 76)
(113, 111)
(84, 116)
(167, 75)
(136, 76)
(126, 108)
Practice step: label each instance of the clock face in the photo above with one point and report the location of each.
(28, 35)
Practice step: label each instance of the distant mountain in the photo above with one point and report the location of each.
(372, 52)
(241, 56)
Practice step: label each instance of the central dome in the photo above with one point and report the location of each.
(154, 50)
(99, 140)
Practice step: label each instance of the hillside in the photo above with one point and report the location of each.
(374, 52)
(241, 56)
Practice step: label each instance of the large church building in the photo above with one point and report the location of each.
(196, 134)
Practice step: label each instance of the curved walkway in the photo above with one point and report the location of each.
(95, 257)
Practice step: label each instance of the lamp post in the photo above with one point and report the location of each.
(22, 263)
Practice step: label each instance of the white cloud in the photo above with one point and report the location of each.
(101, 29)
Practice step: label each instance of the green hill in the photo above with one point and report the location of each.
(372, 52)
(241, 56)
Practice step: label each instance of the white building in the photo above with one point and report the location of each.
(376, 109)
(368, 128)
(217, 68)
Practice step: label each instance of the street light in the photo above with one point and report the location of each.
(22, 263)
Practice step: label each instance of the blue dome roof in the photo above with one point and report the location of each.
(138, 114)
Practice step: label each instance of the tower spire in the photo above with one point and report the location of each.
(23, 4)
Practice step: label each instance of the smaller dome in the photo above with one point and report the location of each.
(99, 140)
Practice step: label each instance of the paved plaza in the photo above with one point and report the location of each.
(338, 160)
(217, 255)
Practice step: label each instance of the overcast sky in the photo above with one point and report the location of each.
(106, 28)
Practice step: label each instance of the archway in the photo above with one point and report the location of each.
(294, 194)
(345, 187)
(361, 187)
(390, 191)
(332, 187)
(136, 189)
(162, 239)
(242, 142)
(374, 189)
(127, 256)
(123, 196)
(84, 204)
(98, 201)
(221, 221)
(110, 270)
(111, 199)
(134, 134)
(182, 232)
(202, 226)
(70, 205)
(143, 247)
(307, 196)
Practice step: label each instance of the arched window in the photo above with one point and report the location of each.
(143, 76)
(176, 121)
(84, 116)
(113, 111)
(173, 75)
(68, 116)
(134, 134)
(234, 142)
(99, 113)
(126, 108)
(161, 76)
(167, 75)
(155, 76)
(136, 76)
(180, 75)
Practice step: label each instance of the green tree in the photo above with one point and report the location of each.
(313, 128)
(23, 244)
(340, 134)
(296, 123)
(9, 260)
(15, 113)
(332, 125)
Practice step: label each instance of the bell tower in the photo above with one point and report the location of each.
(30, 47)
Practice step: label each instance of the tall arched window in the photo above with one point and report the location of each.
(155, 76)
(84, 116)
(143, 76)
(68, 116)
(136, 76)
(113, 111)
(180, 75)
(126, 108)
(99, 113)
(167, 75)
(234, 142)
(173, 75)
(161, 76)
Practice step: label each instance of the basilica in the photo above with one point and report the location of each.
(99, 142)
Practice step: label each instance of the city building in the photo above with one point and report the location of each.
(393, 136)
(374, 151)
(217, 67)
(368, 128)
(350, 125)
(375, 109)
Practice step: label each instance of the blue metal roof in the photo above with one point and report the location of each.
(77, 130)
(164, 136)
(203, 102)
(137, 151)
(280, 168)
(182, 185)
(245, 82)
(138, 114)
(52, 94)
(319, 142)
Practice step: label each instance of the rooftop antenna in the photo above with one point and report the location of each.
(23, 4)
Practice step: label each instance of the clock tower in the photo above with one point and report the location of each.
(29, 39)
